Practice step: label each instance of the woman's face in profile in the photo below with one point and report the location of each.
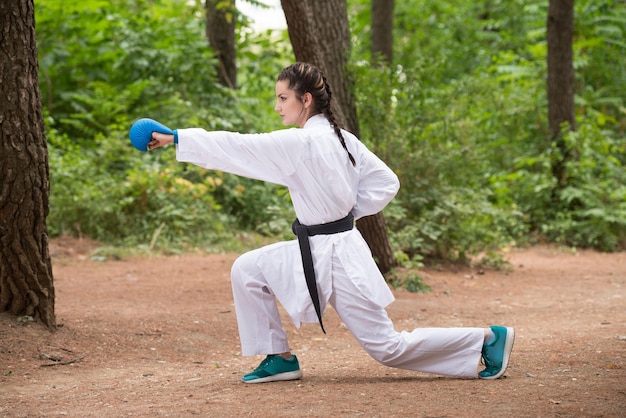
(291, 109)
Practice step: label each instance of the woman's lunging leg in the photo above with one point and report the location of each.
(446, 351)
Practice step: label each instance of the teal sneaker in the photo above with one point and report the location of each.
(496, 355)
(274, 368)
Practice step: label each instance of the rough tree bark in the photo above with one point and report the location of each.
(320, 35)
(220, 31)
(560, 27)
(26, 282)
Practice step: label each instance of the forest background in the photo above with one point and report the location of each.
(466, 129)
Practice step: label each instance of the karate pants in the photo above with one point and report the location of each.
(445, 351)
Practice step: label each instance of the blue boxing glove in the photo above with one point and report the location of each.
(141, 132)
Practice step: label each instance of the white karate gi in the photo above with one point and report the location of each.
(324, 187)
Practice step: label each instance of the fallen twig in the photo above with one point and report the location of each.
(60, 348)
(62, 363)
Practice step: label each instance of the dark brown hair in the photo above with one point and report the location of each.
(305, 78)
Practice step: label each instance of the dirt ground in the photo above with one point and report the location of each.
(157, 337)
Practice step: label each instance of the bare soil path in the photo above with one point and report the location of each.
(157, 337)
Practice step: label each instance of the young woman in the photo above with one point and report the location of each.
(333, 179)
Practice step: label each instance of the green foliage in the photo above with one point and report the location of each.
(126, 55)
(589, 210)
(494, 260)
(592, 206)
(600, 60)
(105, 64)
(408, 280)
(260, 58)
(129, 198)
(448, 149)
(23, 320)
(255, 206)
(460, 115)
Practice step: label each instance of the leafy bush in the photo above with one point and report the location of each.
(126, 55)
(105, 64)
(471, 144)
(460, 115)
(128, 197)
(591, 208)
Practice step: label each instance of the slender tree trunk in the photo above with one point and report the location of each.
(320, 35)
(220, 30)
(382, 56)
(26, 283)
(382, 31)
(560, 27)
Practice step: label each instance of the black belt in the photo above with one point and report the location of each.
(303, 232)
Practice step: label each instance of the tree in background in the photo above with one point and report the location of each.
(560, 36)
(374, 228)
(382, 30)
(220, 30)
(26, 282)
(320, 34)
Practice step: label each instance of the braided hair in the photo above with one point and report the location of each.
(306, 78)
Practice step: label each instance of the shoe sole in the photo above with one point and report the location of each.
(508, 347)
(295, 375)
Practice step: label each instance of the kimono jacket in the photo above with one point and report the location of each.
(324, 187)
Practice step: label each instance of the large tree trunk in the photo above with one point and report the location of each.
(560, 27)
(220, 30)
(320, 35)
(26, 284)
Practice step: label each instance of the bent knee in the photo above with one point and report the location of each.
(244, 267)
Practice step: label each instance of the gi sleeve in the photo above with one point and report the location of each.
(378, 184)
(270, 157)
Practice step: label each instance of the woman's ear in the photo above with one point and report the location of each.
(307, 100)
